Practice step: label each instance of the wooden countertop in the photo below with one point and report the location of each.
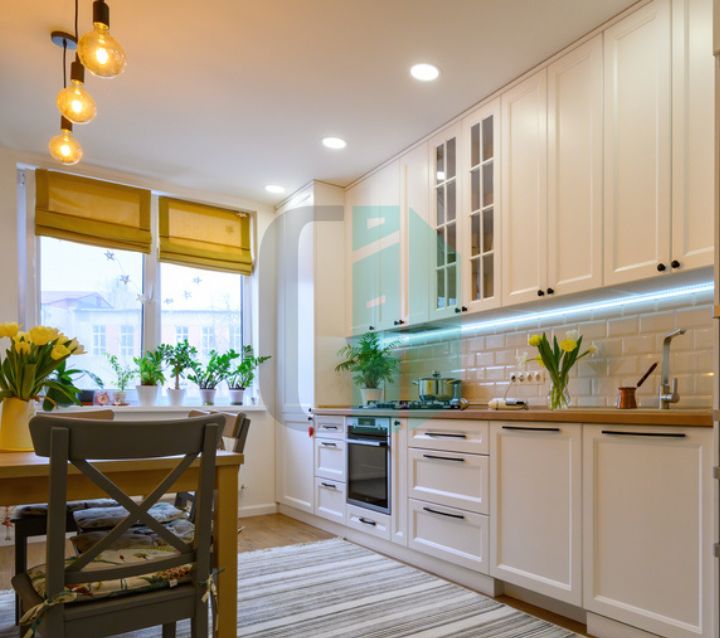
(609, 416)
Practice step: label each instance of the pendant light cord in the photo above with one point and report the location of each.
(76, 22)
(64, 63)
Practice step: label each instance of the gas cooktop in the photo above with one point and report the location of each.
(414, 405)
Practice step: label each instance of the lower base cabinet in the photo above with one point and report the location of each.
(294, 460)
(368, 521)
(330, 499)
(648, 528)
(452, 534)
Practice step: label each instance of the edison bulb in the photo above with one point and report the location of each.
(76, 104)
(65, 148)
(100, 53)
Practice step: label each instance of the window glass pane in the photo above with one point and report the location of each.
(93, 294)
(487, 135)
(450, 158)
(204, 307)
(475, 145)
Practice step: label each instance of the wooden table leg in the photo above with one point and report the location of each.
(225, 532)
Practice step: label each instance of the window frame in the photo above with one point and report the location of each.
(30, 256)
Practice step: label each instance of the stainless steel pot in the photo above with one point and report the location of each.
(436, 388)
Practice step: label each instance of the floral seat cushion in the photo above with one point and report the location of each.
(41, 509)
(92, 590)
(108, 517)
(137, 537)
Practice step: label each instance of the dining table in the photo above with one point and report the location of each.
(24, 480)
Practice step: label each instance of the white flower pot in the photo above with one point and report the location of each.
(176, 396)
(371, 395)
(208, 396)
(236, 395)
(148, 395)
(119, 397)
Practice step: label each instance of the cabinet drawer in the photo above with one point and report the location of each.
(330, 427)
(449, 478)
(449, 434)
(330, 499)
(449, 533)
(368, 521)
(330, 459)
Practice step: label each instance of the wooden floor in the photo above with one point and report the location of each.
(273, 530)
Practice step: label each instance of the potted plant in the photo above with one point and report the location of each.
(243, 375)
(64, 392)
(150, 371)
(180, 358)
(208, 377)
(24, 373)
(370, 363)
(123, 376)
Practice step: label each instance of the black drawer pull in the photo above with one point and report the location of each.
(444, 458)
(367, 521)
(666, 435)
(446, 435)
(525, 428)
(448, 514)
(328, 427)
(328, 444)
(330, 485)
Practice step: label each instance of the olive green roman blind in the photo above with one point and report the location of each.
(92, 211)
(205, 236)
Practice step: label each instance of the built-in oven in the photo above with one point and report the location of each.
(368, 462)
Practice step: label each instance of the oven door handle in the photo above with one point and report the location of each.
(367, 443)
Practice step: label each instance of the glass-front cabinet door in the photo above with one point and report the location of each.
(481, 208)
(444, 220)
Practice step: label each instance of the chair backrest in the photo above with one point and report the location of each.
(235, 432)
(73, 441)
(105, 415)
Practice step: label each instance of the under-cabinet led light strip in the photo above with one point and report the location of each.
(520, 320)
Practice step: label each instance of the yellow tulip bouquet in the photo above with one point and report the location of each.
(31, 359)
(558, 359)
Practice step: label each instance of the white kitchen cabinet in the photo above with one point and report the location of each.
(575, 161)
(446, 181)
(637, 175)
(536, 509)
(648, 527)
(398, 481)
(330, 458)
(524, 189)
(450, 478)
(330, 427)
(693, 126)
(481, 208)
(452, 534)
(368, 521)
(453, 435)
(330, 499)
(294, 462)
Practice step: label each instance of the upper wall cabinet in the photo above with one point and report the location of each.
(693, 125)
(524, 189)
(575, 137)
(637, 144)
(481, 208)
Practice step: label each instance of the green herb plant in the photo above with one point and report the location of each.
(150, 367)
(243, 375)
(180, 358)
(369, 361)
(217, 369)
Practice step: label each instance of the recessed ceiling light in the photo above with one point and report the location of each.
(334, 142)
(275, 189)
(424, 72)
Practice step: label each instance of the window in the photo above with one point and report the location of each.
(182, 333)
(127, 341)
(208, 340)
(93, 294)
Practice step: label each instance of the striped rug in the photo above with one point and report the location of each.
(333, 589)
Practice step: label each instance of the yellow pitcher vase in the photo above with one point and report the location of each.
(14, 426)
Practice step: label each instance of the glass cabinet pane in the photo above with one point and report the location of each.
(440, 236)
(440, 301)
(451, 243)
(487, 184)
(475, 189)
(488, 279)
(450, 145)
(475, 279)
(475, 145)
(474, 234)
(451, 202)
(451, 286)
(488, 230)
(440, 163)
(440, 205)
(487, 139)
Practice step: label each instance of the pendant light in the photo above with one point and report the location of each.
(100, 53)
(74, 102)
(64, 147)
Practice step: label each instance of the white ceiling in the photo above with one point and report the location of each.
(230, 95)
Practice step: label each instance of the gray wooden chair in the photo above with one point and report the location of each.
(68, 607)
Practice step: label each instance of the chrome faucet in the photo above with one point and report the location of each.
(668, 393)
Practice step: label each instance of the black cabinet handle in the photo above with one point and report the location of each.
(329, 427)
(661, 267)
(447, 435)
(525, 428)
(310, 418)
(400, 322)
(443, 458)
(327, 444)
(550, 291)
(457, 311)
(367, 521)
(675, 263)
(371, 327)
(396, 423)
(463, 308)
(330, 485)
(666, 435)
(395, 323)
(448, 514)
(540, 293)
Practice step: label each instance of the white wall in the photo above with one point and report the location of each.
(258, 473)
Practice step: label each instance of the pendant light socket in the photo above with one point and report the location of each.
(101, 12)
(65, 124)
(77, 70)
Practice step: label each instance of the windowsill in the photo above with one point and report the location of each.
(166, 409)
